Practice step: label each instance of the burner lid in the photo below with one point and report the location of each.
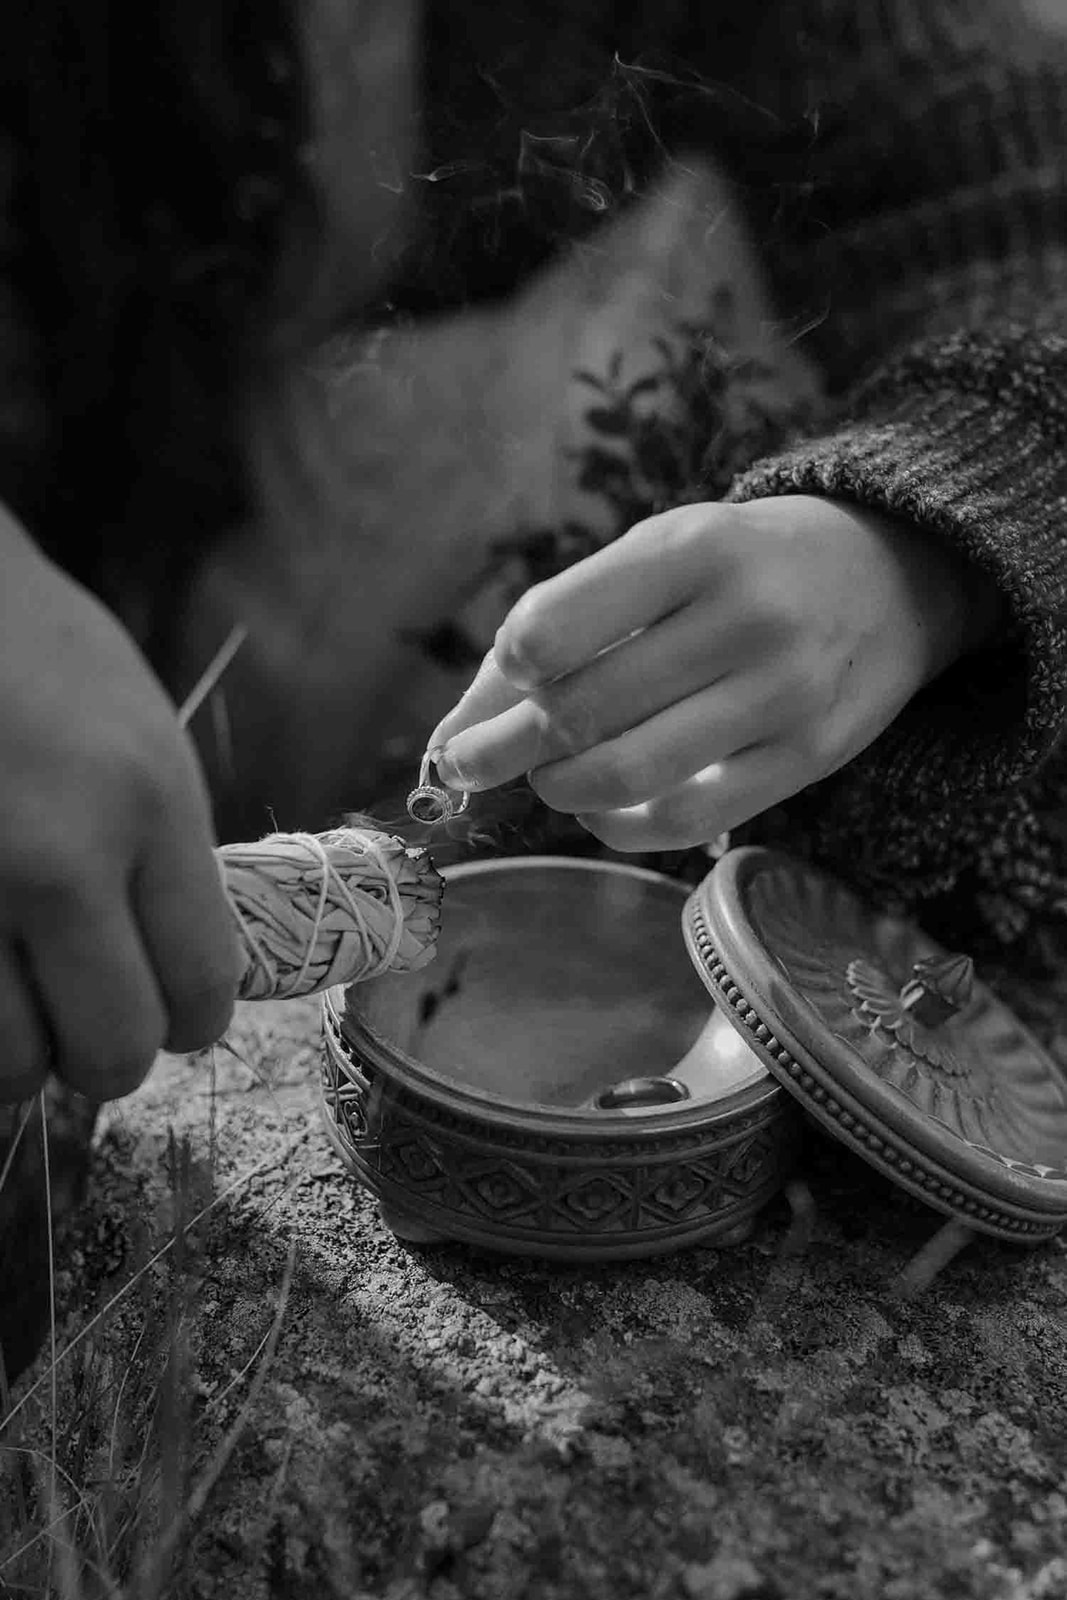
(889, 1041)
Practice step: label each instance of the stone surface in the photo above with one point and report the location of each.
(434, 1425)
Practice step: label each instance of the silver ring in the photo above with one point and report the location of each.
(432, 803)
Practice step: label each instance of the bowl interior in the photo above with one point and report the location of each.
(556, 981)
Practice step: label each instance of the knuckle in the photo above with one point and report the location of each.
(109, 1074)
(679, 834)
(552, 789)
(202, 1018)
(772, 609)
(680, 531)
(570, 721)
(681, 822)
(113, 1058)
(50, 875)
(791, 704)
(151, 772)
(633, 779)
(156, 781)
(522, 648)
(680, 525)
(812, 747)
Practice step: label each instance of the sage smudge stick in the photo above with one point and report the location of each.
(315, 910)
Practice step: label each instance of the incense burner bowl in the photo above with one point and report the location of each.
(558, 1082)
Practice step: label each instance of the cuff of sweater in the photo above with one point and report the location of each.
(990, 480)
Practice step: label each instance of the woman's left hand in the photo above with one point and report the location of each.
(710, 663)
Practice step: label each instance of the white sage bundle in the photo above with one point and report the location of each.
(315, 910)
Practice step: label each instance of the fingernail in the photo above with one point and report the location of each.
(448, 772)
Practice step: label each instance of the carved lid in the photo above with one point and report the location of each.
(890, 1042)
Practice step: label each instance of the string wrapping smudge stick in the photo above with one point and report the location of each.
(315, 910)
(312, 910)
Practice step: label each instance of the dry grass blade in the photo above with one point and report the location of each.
(120, 1294)
(238, 1377)
(113, 1437)
(211, 675)
(53, 1486)
(70, 1562)
(60, 1555)
(151, 1587)
(80, 1499)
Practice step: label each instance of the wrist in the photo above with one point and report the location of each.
(957, 608)
(966, 608)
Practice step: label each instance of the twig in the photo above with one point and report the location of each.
(209, 678)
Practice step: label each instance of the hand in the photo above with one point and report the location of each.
(115, 938)
(712, 662)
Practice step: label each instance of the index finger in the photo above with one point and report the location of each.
(563, 623)
(488, 694)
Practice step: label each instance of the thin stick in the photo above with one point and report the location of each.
(211, 674)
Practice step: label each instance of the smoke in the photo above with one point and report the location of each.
(510, 820)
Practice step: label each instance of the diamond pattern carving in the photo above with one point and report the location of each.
(500, 1189)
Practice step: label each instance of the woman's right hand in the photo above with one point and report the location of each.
(115, 937)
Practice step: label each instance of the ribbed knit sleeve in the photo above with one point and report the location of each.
(936, 270)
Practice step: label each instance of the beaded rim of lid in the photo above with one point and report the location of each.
(770, 937)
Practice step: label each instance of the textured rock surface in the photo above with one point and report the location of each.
(724, 1425)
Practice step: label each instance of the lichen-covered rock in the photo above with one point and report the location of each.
(442, 1426)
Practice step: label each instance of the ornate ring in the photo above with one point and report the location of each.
(431, 802)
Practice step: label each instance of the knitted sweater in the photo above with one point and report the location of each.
(904, 165)
(945, 265)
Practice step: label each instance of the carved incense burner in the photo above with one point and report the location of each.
(557, 1084)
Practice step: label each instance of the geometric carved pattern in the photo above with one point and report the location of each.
(537, 1191)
